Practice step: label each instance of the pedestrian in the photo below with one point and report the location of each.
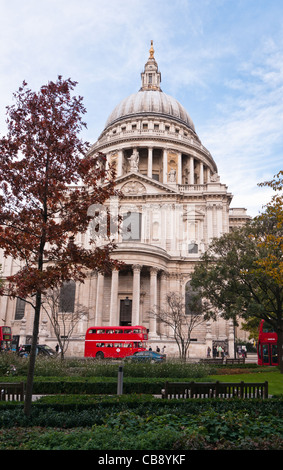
(57, 348)
(163, 349)
(157, 349)
(208, 351)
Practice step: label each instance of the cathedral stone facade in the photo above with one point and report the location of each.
(173, 205)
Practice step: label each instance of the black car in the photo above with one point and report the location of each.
(147, 356)
(41, 349)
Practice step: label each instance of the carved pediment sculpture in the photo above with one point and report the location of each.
(133, 187)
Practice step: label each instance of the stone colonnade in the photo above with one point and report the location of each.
(166, 177)
(97, 300)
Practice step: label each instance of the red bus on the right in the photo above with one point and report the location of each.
(267, 353)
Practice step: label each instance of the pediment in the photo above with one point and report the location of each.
(136, 184)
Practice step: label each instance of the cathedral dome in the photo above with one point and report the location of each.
(150, 102)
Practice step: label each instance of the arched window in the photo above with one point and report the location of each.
(192, 300)
(67, 297)
(193, 248)
(20, 309)
(131, 226)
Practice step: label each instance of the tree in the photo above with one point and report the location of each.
(272, 261)
(182, 317)
(48, 179)
(64, 315)
(251, 325)
(230, 276)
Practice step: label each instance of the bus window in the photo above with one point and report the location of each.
(274, 354)
(267, 328)
(265, 353)
(114, 342)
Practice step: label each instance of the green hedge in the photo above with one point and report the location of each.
(97, 386)
(142, 423)
(86, 410)
(94, 385)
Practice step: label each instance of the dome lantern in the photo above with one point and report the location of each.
(151, 77)
(150, 100)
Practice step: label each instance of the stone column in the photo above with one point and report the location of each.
(208, 174)
(179, 181)
(192, 177)
(231, 339)
(99, 299)
(153, 300)
(120, 163)
(92, 298)
(208, 338)
(136, 294)
(107, 163)
(163, 299)
(201, 179)
(209, 222)
(114, 298)
(219, 217)
(165, 164)
(149, 163)
(23, 331)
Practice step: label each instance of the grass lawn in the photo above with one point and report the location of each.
(274, 379)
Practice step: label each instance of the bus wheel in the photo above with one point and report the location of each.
(99, 355)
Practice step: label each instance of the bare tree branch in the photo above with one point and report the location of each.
(181, 322)
(62, 319)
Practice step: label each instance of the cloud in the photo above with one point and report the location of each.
(245, 138)
(222, 60)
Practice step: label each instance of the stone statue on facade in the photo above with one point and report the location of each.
(172, 175)
(134, 161)
(215, 178)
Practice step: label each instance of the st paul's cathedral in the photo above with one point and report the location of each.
(174, 204)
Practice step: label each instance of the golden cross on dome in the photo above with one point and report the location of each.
(151, 51)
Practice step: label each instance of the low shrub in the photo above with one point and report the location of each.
(137, 423)
(94, 385)
(13, 365)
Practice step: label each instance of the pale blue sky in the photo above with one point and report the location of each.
(222, 59)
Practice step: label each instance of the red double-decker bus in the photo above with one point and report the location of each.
(5, 338)
(114, 341)
(267, 353)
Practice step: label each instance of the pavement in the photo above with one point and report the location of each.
(251, 358)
